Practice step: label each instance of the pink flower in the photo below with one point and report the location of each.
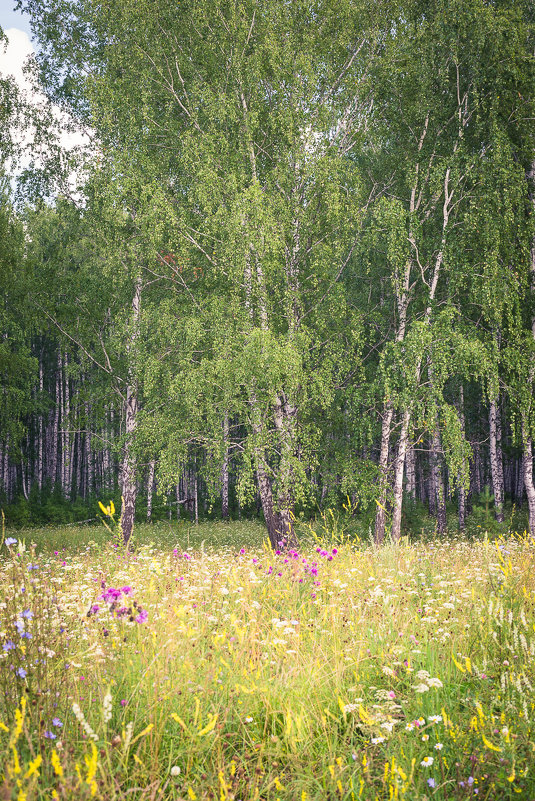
(391, 694)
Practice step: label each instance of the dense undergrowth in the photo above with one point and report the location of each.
(202, 665)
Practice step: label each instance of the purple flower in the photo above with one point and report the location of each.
(242, 550)
(22, 673)
(10, 541)
(126, 590)
(28, 614)
(431, 783)
(142, 617)
(57, 722)
(470, 781)
(8, 646)
(50, 735)
(123, 701)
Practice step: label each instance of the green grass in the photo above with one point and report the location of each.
(400, 672)
(74, 537)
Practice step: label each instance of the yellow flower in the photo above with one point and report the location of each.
(33, 767)
(56, 764)
(109, 511)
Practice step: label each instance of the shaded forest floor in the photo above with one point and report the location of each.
(204, 666)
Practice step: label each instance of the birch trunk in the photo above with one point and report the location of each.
(89, 461)
(528, 452)
(129, 494)
(528, 481)
(410, 462)
(150, 489)
(438, 480)
(66, 436)
(519, 485)
(380, 516)
(431, 484)
(195, 491)
(40, 433)
(398, 476)
(496, 460)
(462, 490)
(224, 470)
(55, 428)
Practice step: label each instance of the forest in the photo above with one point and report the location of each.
(294, 271)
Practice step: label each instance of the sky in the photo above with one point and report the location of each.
(12, 58)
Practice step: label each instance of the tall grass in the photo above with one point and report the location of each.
(188, 670)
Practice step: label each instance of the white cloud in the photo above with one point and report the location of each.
(14, 57)
(14, 54)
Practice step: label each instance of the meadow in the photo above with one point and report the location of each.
(202, 665)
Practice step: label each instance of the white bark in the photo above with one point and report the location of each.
(150, 489)
(129, 483)
(224, 470)
(398, 476)
(496, 460)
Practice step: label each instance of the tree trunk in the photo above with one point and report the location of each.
(438, 482)
(89, 461)
(195, 491)
(380, 516)
(496, 461)
(129, 495)
(55, 426)
(462, 478)
(224, 470)
(40, 433)
(398, 476)
(410, 465)
(266, 499)
(66, 435)
(150, 489)
(526, 437)
(519, 483)
(284, 418)
(528, 480)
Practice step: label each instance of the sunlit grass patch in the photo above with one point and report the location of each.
(188, 670)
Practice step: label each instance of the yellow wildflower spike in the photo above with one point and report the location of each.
(490, 745)
(209, 727)
(191, 794)
(33, 767)
(56, 764)
(141, 734)
(458, 665)
(112, 508)
(16, 764)
(179, 720)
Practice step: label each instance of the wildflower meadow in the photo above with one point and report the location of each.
(204, 669)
